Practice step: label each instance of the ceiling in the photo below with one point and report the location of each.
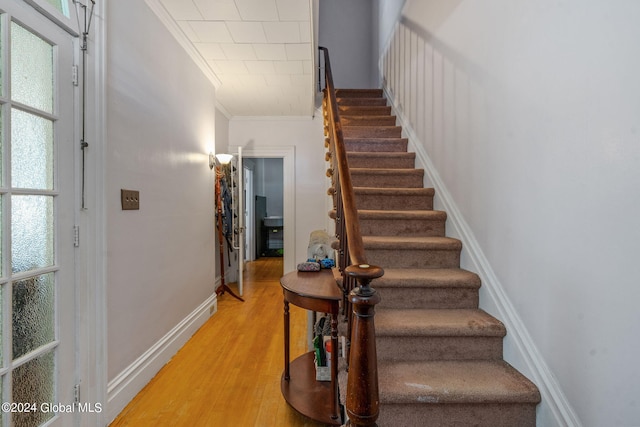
(258, 53)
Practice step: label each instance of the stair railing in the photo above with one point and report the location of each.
(362, 401)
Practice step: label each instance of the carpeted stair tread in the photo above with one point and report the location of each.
(423, 192)
(400, 223)
(460, 382)
(367, 120)
(394, 198)
(396, 215)
(427, 278)
(437, 322)
(400, 215)
(365, 110)
(411, 242)
(383, 160)
(376, 144)
(370, 131)
(387, 178)
(359, 93)
(362, 101)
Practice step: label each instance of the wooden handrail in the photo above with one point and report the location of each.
(356, 247)
(362, 404)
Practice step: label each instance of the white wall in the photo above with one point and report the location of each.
(305, 136)
(160, 129)
(530, 113)
(345, 29)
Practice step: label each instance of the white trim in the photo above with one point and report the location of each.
(183, 40)
(287, 154)
(93, 233)
(132, 379)
(529, 359)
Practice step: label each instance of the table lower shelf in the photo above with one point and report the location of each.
(306, 395)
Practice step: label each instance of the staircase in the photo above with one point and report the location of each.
(439, 355)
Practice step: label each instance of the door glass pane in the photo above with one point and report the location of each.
(33, 320)
(61, 5)
(31, 151)
(31, 232)
(34, 382)
(31, 69)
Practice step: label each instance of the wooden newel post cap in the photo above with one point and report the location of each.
(364, 271)
(364, 274)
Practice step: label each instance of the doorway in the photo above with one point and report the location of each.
(265, 207)
(287, 156)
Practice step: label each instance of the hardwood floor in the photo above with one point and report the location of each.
(228, 373)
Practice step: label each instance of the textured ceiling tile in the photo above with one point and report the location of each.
(307, 67)
(218, 10)
(182, 10)
(246, 32)
(299, 51)
(260, 67)
(248, 85)
(293, 10)
(301, 80)
(278, 80)
(211, 32)
(257, 10)
(282, 32)
(210, 50)
(288, 67)
(270, 52)
(188, 31)
(305, 32)
(238, 51)
(229, 67)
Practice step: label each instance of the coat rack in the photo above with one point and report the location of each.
(220, 175)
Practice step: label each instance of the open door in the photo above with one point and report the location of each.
(239, 217)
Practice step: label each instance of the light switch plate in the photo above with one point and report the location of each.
(130, 199)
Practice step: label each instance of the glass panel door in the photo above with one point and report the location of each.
(37, 216)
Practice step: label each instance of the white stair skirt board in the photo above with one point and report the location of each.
(527, 359)
(126, 385)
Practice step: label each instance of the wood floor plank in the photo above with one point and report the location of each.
(228, 373)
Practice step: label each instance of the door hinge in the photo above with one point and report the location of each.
(74, 75)
(76, 236)
(76, 393)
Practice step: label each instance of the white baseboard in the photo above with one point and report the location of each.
(555, 409)
(126, 385)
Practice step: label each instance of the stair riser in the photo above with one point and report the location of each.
(432, 414)
(365, 110)
(358, 93)
(439, 298)
(387, 162)
(413, 258)
(396, 145)
(372, 131)
(423, 348)
(386, 180)
(393, 202)
(362, 102)
(403, 227)
(367, 121)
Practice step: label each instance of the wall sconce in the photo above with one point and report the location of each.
(222, 159)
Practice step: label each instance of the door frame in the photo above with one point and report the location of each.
(287, 154)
